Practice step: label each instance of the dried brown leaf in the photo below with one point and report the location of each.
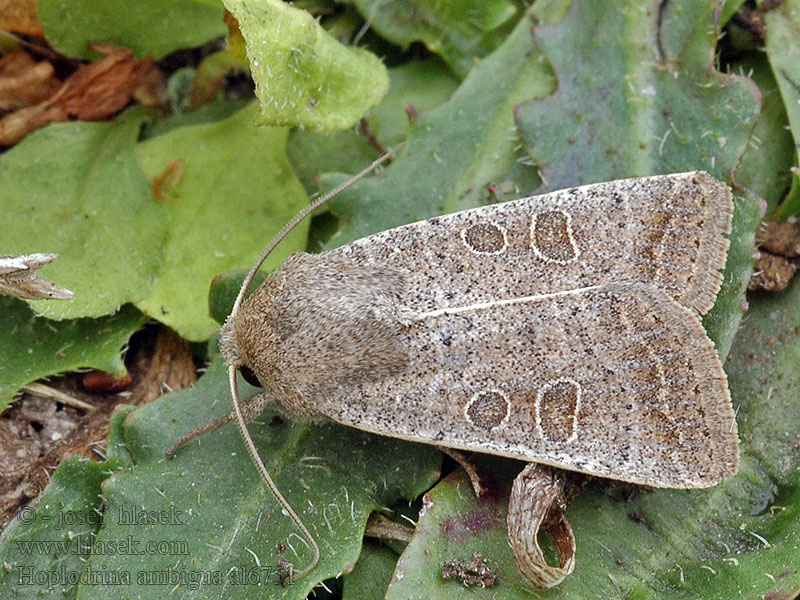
(164, 183)
(19, 16)
(101, 88)
(537, 500)
(782, 238)
(24, 82)
(94, 92)
(771, 273)
(777, 259)
(19, 278)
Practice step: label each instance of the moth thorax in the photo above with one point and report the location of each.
(317, 322)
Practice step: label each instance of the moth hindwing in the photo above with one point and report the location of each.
(562, 329)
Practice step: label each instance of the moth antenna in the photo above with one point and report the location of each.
(302, 215)
(265, 474)
(232, 368)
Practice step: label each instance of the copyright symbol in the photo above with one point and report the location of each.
(27, 515)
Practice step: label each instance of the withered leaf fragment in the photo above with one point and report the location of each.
(24, 82)
(19, 278)
(94, 92)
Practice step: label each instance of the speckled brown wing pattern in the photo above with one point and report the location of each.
(617, 381)
(562, 329)
(667, 231)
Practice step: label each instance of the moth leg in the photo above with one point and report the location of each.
(251, 408)
(537, 500)
(462, 460)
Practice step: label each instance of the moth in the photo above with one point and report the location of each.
(561, 329)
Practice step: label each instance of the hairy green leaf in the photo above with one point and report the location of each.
(304, 77)
(420, 85)
(770, 154)
(75, 189)
(636, 98)
(33, 347)
(460, 32)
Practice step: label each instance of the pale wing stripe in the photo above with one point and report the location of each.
(484, 305)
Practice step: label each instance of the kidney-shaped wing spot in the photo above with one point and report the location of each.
(552, 238)
(556, 410)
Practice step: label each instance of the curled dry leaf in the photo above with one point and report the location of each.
(24, 82)
(18, 278)
(19, 16)
(92, 93)
(537, 499)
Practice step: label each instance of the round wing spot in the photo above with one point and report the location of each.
(487, 409)
(551, 237)
(485, 238)
(556, 410)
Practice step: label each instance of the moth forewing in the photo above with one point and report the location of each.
(667, 231)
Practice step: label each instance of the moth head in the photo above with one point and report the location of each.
(247, 339)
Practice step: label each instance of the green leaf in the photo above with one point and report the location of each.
(89, 200)
(303, 76)
(371, 575)
(224, 289)
(48, 542)
(461, 32)
(333, 476)
(762, 372)
(422, 85)
(148, 27)
(33, 347)
(456, 150)
(216, 110)
(637, 97)
(766, 163)
(220, 216)
(783, 48)
(722, 321)
(75, 189)
(452, 526)
(729, 8)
